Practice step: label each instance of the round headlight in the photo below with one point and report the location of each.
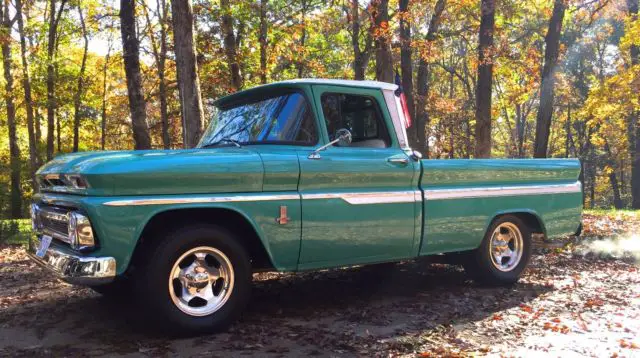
(71, 229)
(80, 231)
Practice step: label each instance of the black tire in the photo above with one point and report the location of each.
(152, 281)
(479, 264)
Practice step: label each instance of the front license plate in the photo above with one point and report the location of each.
(44, 245)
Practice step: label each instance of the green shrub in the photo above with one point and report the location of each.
(15, 231)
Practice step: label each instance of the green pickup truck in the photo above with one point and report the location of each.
(290, 176)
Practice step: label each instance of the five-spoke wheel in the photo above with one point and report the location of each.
(201, 281)
(506, 246)
(503, 254)
(197, 280)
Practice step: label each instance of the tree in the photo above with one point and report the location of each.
(485, 77)
(14, 150)
(28, 99)
(422, 83)
(77, 98)
(187, 69)
(406, 63)
(361, 56)
(103, 122)
(229, 44)
(382, 36)
(634, 120)
(54, 20)
(131, 57)
(160, 57)
(547, 86)
(262, 39)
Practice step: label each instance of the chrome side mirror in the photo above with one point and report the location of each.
(342, 138)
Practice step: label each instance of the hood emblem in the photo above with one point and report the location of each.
(283, 219)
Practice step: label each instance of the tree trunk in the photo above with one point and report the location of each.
(551, 53)
(617, 200)
(567, 143)
(360, 56)
(303, 39)
(262, 39)
(406, 64)
(384, 58)
(77, 98)
(160, 56)
(187, 70)
(131, 57)
(103, 125)
(28, 99)
(162, 59)
(229, 42)
(422, 86)
(634, 120)
(485, 77)
(54, 18)
(14, 150)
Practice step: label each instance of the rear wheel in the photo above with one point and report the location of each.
(197, 280)
(503, 254)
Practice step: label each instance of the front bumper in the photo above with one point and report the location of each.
(74, 269)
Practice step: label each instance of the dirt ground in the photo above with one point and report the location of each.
(579, 297)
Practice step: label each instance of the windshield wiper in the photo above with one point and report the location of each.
(223, 140)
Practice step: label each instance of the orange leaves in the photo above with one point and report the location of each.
(593, 302)
(627, 344)
(554, 326)
(526, 308)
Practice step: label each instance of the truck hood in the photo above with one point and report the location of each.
(155, 172)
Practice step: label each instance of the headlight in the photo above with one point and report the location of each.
(35, 218)
(80, 231)
(75, 181)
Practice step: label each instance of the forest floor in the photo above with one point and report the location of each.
(580, 297)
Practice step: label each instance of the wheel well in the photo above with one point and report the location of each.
(231, 220)
(531, 220)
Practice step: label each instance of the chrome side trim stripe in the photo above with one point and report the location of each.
(202, 200)
(515, 190)
(365, 198)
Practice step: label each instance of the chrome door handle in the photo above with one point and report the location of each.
(401, 161)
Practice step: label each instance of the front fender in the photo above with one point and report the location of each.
(120, 221)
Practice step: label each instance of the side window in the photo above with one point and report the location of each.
(361, 115)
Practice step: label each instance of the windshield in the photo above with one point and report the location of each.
(285, 119)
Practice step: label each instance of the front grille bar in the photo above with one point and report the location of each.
(54, 222)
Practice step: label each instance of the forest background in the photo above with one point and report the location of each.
(489, 78)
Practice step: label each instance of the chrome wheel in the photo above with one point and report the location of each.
(507, 246)
(201, 281)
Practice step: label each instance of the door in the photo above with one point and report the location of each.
(358, 201)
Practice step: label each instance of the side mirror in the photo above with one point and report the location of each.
(342, 138)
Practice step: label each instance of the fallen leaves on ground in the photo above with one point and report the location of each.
(570, 301)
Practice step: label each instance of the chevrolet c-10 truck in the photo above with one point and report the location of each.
(290, 176)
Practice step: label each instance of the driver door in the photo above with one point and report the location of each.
(358, 201)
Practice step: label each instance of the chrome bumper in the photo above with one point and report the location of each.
(77, 270)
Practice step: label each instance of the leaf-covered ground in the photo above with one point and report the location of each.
(579, 297)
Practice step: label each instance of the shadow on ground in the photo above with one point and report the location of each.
(349, 311)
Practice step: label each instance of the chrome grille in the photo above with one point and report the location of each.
(54, 221)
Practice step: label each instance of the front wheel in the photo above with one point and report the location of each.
(197, 280)
(503, 254)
